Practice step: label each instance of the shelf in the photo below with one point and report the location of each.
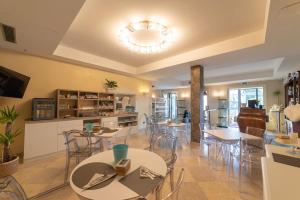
(106, 100)
(68, 109)
(87, 109)
(67, 98)
(88, 99)
(125, 122)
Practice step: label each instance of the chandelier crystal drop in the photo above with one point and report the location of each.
(165, 34)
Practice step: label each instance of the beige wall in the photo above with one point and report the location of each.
(48, 75)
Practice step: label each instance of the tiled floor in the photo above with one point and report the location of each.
(203, 179)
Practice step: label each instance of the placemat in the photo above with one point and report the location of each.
(141, 186)
(287, 160)
(83, 174)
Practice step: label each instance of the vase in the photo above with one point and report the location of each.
(110, 90)
(9, 168)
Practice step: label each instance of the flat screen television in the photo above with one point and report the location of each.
(12, 84)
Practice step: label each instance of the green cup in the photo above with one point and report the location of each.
(89, 127)
(120, 151)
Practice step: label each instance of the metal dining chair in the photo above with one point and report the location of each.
(10, 189)
(165, 146)
(174, 194)
(75, 148)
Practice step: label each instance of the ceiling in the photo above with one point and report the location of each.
(195, 23)
(234, 40)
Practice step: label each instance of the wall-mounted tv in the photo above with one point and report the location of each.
(12, 84)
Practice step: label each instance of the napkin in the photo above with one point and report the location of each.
(94, 179)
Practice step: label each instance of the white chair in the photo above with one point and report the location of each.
(208, 141)
(123, 137)
(74, 149)
(165, 146)
(174, 194)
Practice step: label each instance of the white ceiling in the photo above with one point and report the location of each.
(196, 23)
(234, 40)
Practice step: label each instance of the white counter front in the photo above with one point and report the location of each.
(280, 181)
(45, 137)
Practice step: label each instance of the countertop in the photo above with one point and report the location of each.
(29, 121)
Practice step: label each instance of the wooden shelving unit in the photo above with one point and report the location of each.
(71, 103)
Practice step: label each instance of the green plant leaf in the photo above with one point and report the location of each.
(8, 115)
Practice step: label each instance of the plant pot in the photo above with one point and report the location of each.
(9, 168)
(110, 90)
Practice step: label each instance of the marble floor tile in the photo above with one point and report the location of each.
(204, 179)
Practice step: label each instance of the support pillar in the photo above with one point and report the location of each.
(197, 110)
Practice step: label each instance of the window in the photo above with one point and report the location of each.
(238, 97)
(171, 108)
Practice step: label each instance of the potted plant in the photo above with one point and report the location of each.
(110, 85)
(9, 163)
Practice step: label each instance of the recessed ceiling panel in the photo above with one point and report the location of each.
(196, 23)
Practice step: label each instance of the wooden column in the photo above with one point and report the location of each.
(197, 111)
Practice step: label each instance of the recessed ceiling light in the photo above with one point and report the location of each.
(146, 37)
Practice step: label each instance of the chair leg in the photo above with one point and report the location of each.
(67, 169)
(208, 152)
(172, 178)
(186, 137)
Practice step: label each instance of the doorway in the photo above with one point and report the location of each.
(238, 97)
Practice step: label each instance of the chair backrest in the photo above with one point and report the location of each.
(71, 141)
(165, 146)
(10, 189)
(173, 195)
(147, 119)
(255, 131)
(123, 137)
(258, 132)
